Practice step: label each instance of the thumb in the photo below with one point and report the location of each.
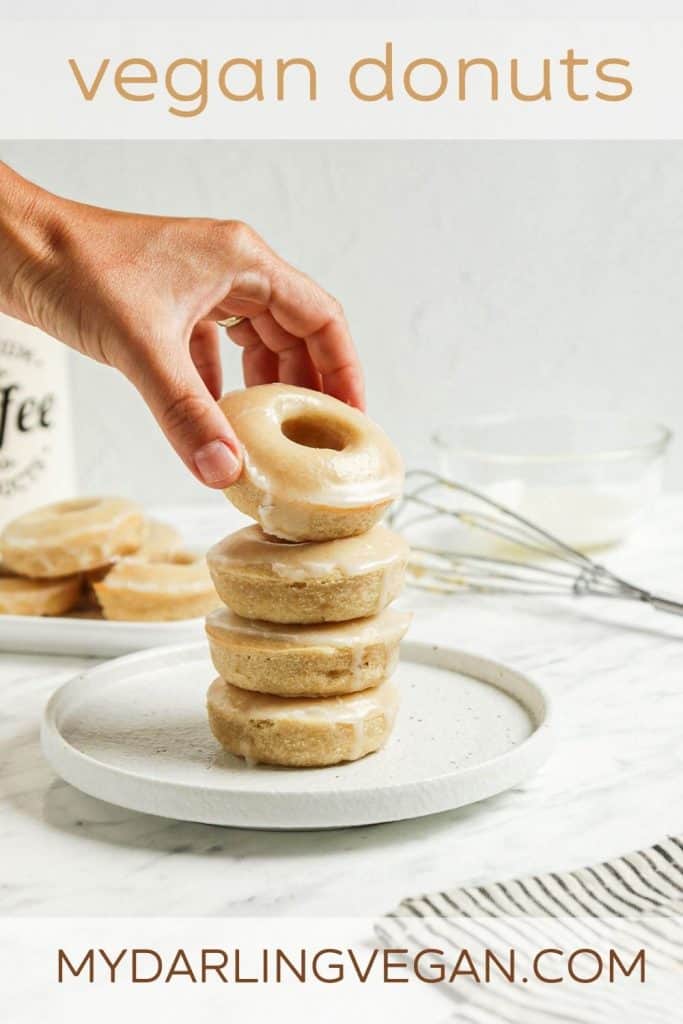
(190, 418)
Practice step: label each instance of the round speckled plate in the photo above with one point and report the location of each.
(134, 732)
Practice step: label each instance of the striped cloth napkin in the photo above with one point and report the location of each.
(632, 903)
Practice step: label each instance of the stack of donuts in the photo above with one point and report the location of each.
(306, 643)
(93, 556)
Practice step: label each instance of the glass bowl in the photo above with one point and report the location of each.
(588, 479)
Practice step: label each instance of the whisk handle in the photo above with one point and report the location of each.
(663, 604)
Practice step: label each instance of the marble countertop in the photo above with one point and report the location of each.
(613, 783)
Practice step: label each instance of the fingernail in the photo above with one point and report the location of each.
(217, 464)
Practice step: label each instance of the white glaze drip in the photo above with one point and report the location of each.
(159, 576)
(389, 625)
(349, 708)
(379, 548)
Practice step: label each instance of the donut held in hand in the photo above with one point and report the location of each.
(314, 468)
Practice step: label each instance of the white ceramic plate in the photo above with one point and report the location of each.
(91, 638)
(134, 732)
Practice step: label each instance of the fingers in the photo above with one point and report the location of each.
(206, 355)
(259, 365)
(187, 413)
(285, 307)
(293, 360)
(295, 366)
(332, 352)
(305, 311)
(270, 354)
(324, 360)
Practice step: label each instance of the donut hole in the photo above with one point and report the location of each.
(313, 431)
(76, 505)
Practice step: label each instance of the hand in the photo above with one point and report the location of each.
(143, 293)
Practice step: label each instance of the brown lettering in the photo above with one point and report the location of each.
(88, 92)
(386, 66)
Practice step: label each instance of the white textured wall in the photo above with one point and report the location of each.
(477, 277)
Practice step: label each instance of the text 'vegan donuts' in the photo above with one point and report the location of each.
(21, 596)
(72, 536)
(314, 468)
(305, 661)
(261, 577)
(157, 589)
(301, 733)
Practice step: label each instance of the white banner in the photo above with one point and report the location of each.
(335, 970)
(299, 79)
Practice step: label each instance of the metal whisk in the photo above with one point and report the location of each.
(550, 567)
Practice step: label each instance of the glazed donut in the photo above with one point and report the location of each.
(314, 468)
(261, 577)
(72, 536)
(301, 733)
(21, 596)
(161, 540)
(305, 661)
(157, 589)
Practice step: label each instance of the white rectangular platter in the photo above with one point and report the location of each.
(90, 637)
